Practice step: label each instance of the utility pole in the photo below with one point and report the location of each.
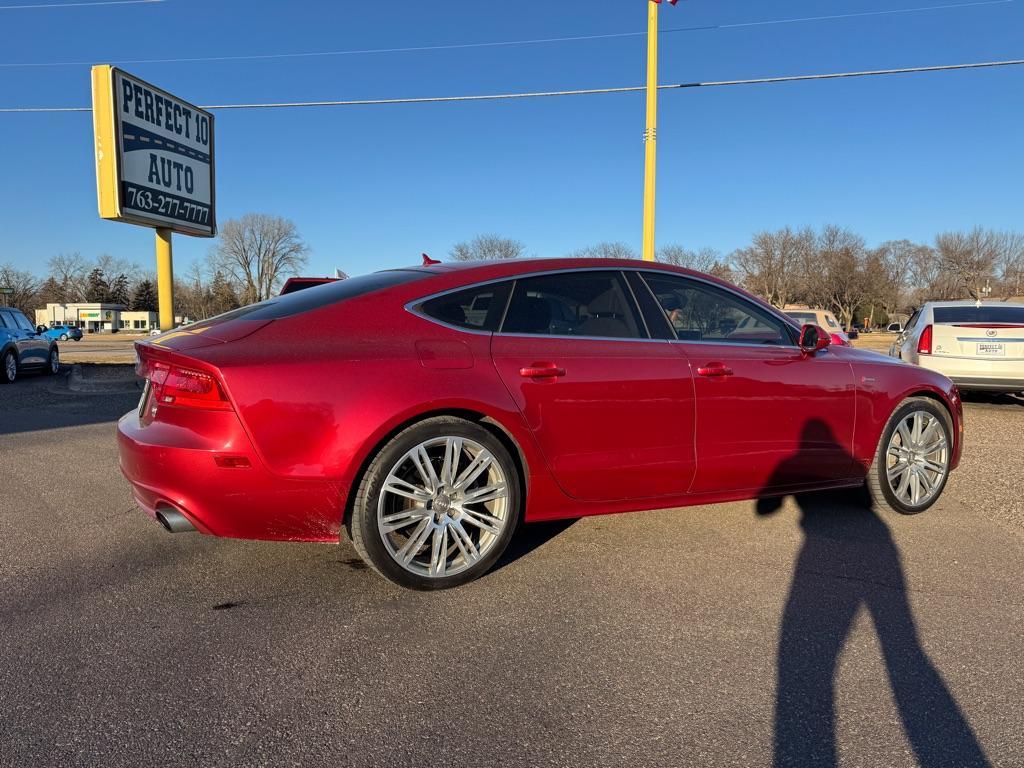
(651, 133)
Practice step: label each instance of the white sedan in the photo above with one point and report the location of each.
(979, 346)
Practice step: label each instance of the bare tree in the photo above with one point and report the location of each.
(112, 265)
(894, 259)
(834, 273)
(704, 260)
(257, 252)
(24, 289)
(1010, 265)
(970, 257)
(487, 248)
(70, 271)
(769, 266)
(605, 250)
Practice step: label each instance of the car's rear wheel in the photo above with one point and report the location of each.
(53, 364)
(437, 505)
(10, 368)
(911, 464)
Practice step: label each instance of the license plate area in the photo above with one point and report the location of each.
(991, 349)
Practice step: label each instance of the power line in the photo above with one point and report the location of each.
(576, 92)
(501, 43)
(38, 6)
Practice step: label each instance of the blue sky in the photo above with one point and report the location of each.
(372, 187)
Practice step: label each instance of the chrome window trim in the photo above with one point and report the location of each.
(413, 306)
(988, 339)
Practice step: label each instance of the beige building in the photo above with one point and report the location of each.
(97, 317)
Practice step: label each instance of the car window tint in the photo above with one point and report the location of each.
(983, 314)
(803, 317)
(596, 304)
(830, 319)
(701, 312)
(22, 321)
(4, 322)
(912, 321)
(477, 308)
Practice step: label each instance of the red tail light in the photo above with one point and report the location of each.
(924, 344)
(185, 387)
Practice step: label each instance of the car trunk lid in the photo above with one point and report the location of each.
(980, 340)
(987, 331)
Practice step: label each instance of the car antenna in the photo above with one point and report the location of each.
(427, 261)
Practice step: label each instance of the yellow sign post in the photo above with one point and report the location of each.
(154, 166)
(651, 132)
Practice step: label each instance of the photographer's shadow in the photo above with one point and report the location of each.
(849, 560)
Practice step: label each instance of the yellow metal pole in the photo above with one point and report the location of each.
(651, 134)
(165, 278)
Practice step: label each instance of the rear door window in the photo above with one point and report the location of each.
(587, 304)
(478, 308)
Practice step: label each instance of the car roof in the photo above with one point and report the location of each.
(473, 271)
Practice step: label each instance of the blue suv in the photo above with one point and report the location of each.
(63, 332)
(24, 347)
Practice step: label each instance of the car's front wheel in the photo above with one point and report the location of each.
(53, 364)
(10, 367)
(911, 464)
(63, 337)
(437, 505)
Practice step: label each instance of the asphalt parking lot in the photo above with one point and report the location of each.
(703, 636)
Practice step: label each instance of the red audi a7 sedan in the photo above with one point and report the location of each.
(426, 412)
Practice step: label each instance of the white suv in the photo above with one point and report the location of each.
(978, 346)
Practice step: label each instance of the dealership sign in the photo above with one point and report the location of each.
(154, 155)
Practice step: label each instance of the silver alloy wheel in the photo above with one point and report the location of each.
(54, 360)
(917, 458)
(443, 506)
(10, 366)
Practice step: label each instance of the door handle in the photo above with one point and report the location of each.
(715, 369)
(541, 371)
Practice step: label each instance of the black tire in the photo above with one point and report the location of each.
(9, 367)
(364, 528)
(52, 362)
(879, 490)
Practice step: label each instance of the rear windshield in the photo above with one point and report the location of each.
(984, 314)
(317, 296)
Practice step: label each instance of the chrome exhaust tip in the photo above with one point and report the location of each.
(173, 521)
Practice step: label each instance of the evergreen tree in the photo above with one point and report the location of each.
(98, 289)
(144, 299)
(119, 291)
(223, 296)
(52, 292)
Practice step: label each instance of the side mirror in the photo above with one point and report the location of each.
(814, 338)
(40, 329)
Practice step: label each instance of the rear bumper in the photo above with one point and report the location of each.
(977, 384)
(173, 467)
(978, 374)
